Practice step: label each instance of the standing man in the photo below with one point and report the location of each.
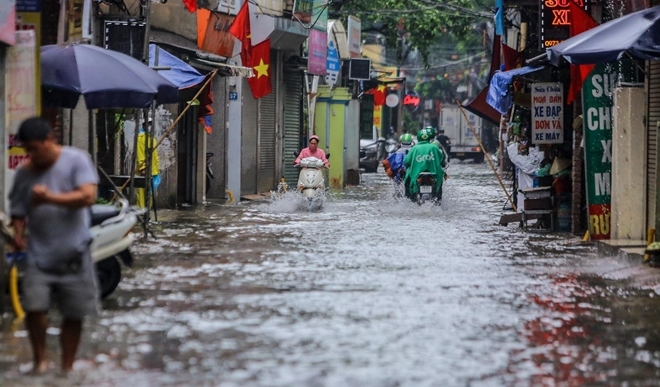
(143, 140)
(51, 196)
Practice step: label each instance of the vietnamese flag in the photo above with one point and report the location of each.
(378, 93)
(240, 28)
(259, 60)
(580, 22)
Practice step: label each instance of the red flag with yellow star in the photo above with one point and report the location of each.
(259, 60)
(378, 93)
(240, 28)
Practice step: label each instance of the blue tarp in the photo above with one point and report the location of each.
(498, 94)
(181, 73)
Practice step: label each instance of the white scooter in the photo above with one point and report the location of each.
(311, 183)
(111, 233)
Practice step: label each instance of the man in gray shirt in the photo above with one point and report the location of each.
(51, 196)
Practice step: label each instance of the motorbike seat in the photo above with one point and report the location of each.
(103, 212)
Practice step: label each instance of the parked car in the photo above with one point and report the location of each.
(369, 155)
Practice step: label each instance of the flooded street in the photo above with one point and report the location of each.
(369, 291)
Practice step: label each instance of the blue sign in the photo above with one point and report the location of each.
(333, 63)
(28, 5)
(233, 96)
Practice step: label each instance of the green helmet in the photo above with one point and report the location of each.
(425, 134)
(406, 139)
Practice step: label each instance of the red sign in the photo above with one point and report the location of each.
(556, 21)
(411, 101)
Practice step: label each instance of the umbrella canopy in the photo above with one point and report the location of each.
(637, 33)
(105, 78)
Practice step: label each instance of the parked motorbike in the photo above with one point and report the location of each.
(111, 233)
(427, 191)
(111, 240)
(209, 172)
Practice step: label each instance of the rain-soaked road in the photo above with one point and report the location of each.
(367, 292)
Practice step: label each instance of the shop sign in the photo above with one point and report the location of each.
(556, 21)
(547, 113)
(411, 101)
(354, 37)
(318, 51)
(597, 107)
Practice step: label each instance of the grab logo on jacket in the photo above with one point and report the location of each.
(421, 158)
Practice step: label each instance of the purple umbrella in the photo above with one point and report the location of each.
(106, 79)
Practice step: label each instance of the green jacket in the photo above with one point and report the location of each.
(424, 157)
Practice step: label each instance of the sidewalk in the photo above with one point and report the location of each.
(628, 264)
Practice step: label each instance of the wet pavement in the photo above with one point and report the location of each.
(369, 291)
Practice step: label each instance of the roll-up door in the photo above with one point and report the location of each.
(292, 119)
(652, 141)
(267, 133)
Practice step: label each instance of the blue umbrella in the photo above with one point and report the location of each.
(637, 33)
(105, 78)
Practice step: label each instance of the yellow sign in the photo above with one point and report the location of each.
(378, 117)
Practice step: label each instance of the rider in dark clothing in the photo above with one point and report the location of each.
(444, 141)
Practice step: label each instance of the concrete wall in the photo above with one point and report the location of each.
(173, 17)
(216, 142)
(352, 133)
(628, 164)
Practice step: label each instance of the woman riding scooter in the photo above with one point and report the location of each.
(424, 157)
(313, 151)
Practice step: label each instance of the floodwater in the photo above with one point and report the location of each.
(367, 291)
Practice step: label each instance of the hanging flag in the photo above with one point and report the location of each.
(191, 5)
(259, 60)
(378, 93)
(580, 22)
(240, 28)
(203, 16)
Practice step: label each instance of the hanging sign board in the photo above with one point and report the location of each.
(556, 21)
(547, 113)
(597, 105)
(411, 101)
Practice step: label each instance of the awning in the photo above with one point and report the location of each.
(208, 61)
(480, 107)
(499, 96)
(180, 73)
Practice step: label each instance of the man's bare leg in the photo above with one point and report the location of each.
(37, 323)
(69, 340)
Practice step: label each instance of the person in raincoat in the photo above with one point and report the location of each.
(424, 157)
(142, 164)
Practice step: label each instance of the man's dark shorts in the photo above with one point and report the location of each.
(76, 294)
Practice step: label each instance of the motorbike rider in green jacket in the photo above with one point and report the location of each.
(424, 157)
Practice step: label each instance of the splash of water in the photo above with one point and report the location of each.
(292, 202)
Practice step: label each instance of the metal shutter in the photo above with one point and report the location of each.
(292, 119)
(652, 140)
(267, 133)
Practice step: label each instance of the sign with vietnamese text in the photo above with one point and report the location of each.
(556, 21)
(597, 106)
(547, 113)
(354, 37)
(318, 51)
(333, 64)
